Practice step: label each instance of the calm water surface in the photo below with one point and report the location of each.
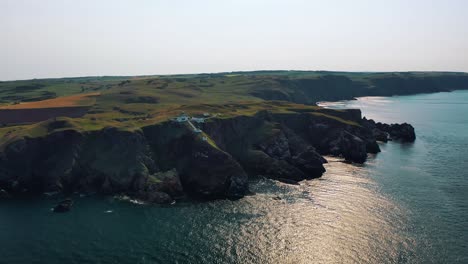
(408, 204)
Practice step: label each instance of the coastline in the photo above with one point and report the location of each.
(399, 205)
(147, 156)
(162, 162)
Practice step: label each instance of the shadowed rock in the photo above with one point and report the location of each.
(63, 206)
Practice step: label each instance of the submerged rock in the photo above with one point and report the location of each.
(63, 206)
(4, 194)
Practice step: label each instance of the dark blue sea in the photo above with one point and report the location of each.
(407, 204)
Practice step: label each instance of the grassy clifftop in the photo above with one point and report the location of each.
(92, 103)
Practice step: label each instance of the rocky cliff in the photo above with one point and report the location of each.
(164, 161)
(338, 86)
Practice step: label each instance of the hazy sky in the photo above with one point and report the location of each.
(57, 38)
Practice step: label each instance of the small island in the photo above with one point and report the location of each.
(161, 138)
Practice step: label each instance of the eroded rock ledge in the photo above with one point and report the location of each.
(166, 161)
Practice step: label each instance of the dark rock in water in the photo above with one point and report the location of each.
(310, 162)
(158, 198)
(404, 132)
(4, 194)
(288, 181)
(351, 147)
(211, 172)
(380, 135)
(259, 163)
(63, 206)
(161, 188)
(205, 170)
(372, 147)
(384, 132)
(168, 182)
(282, 154)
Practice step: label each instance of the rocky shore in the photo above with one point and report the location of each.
(166, 161)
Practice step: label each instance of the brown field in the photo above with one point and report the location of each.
(32, 115)
(31, 112)
(60, 102)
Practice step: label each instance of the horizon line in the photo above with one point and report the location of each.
(225, 72)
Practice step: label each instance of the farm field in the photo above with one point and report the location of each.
(65, 101)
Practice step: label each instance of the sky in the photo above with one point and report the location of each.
(68, 38)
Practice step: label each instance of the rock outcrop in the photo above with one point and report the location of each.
(205, 170)
(4, 194)
(63, 206)
(161, 188)
(350, 146)
(384, 132)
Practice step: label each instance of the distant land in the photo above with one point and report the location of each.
(159, 138)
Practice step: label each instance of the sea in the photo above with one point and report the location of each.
(407, 204)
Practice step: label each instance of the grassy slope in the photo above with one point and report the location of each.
(133, 102)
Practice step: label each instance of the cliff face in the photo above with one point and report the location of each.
(164, 161)
(338, 87)
(107, 161)
(204, 169)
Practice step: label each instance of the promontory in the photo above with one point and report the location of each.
(159, 138)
